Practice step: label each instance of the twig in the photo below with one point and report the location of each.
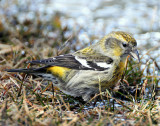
(15, 48)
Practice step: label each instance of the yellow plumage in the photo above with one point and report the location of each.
(58, 71)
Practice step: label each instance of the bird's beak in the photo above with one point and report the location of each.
(134, 53)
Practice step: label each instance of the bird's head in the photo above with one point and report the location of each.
(121, 44)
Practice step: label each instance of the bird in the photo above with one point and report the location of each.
(82, 73)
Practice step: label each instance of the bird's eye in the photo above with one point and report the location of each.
(124, 44)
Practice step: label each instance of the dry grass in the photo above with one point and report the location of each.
(29, 101)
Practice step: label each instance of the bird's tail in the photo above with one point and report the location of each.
(37, 72)
(29, 70)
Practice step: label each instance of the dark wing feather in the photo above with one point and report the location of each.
(50, 61)
(68, 61)
(75, 62)
(28, 70)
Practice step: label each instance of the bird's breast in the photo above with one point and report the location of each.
(118, 72)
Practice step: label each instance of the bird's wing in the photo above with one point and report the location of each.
(80, 62)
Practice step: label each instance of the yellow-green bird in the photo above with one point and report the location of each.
(81, 73)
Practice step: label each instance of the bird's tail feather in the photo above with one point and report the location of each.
(29, 70)
(37, 72)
